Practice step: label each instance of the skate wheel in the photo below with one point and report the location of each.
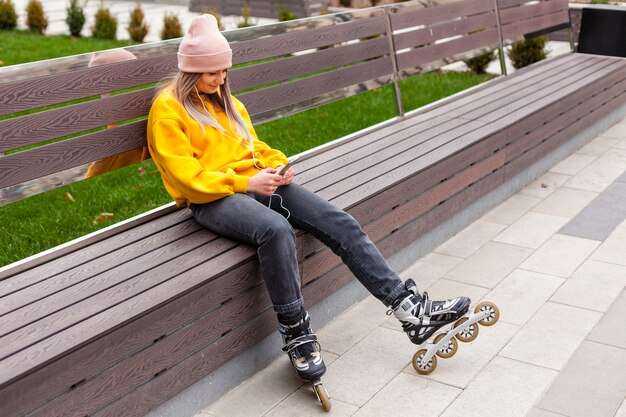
(423, 369)
(322, 395)
(468, 334)
(492, 309)
(449, 350)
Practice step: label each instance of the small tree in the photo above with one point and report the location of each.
(36, 19)
(346, 3)
(245, 13)
(479, 63)
(75, 17)
(137, 28)
(8, 16)
(172, 28)
(105, 24)
(527, 52)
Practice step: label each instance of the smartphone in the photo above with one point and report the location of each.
(284, 169)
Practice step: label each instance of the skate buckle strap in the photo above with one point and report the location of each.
(299, 341)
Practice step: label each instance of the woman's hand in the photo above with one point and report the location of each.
(287, 176)
(266, 181)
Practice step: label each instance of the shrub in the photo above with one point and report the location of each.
(105, 24)
(75, 17)
(346, 3)
(137, 28)
(285, 14)
(172, 28)
(245, 13)
(527, 52)
(8, 16)
(36, 19)
(479, 63)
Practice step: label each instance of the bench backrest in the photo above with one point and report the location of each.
(261, 8)
(280, 69)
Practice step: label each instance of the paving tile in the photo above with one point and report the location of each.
(520, 295)
(611, 330)
(622, 410)
(204, 414)
(470, 239)
(538, 412)
(430, 268)
(408, 395)
(598, 175)
(573, 164)
(617, 131)
(304, 403)
(621, 144)
(593, 383)
(490, 264)
(471, 358)
(268, 387)
(565, 202)
(612, 250)
(442, 290)
(531, 230)
(561, 255)
(352, 326)
(594, 222)
(545, 185)
(504, 388)
(551, 335)
(512, 209)
(363, 370)
(598, 146)
(593, 286)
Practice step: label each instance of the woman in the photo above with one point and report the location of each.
(203, 143)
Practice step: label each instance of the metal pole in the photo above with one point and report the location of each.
(394, 62)
(500, 39)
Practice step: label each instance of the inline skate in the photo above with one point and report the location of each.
(304, 351)
(421, 318)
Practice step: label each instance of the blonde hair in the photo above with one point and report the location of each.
(185, 91)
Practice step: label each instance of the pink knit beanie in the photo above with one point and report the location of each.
(204, 48)
(110, 56)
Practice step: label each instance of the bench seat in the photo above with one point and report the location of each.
(122, 325)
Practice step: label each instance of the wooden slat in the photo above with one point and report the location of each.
(300, 40)
(445, 30)
(48, 159)
(516, 82)
(53, 284)
(39, 127)
(421, 56)
(576, 112)
(518, 29)
(416, 16)
(202, 363)
(295, 91)
(140, 368)
(56, 378)
(296, 66)
(53, 89)
(9, 284)
(531, 11)
(551, 85)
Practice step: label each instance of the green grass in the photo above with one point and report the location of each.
(18, 47)
(46, 220)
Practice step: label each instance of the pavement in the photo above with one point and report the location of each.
(552, 257)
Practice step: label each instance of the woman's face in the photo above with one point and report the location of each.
(210, 82)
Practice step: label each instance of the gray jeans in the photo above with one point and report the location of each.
(247, 218)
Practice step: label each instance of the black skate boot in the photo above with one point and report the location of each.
(421, 317)
(302, 347)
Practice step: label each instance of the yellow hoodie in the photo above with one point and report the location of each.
(199, 167)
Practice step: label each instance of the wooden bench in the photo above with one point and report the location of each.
(120, 321)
